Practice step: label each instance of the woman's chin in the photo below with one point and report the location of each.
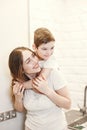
(38, 70)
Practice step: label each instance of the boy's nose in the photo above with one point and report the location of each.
(49, 52)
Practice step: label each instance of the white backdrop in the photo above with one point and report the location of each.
(14, 31)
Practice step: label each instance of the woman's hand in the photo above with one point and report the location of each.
(18, 90)
(41, 85)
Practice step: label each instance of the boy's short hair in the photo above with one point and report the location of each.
(42, 35)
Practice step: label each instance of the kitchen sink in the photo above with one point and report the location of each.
(76, 120)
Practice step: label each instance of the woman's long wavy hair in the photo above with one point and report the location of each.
(15, 63)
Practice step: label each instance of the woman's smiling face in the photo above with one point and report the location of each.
(30, 63)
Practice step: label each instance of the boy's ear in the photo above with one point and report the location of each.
(34, 47)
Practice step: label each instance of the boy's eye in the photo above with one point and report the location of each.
(33, 54)
(47, 49)
(52, 48)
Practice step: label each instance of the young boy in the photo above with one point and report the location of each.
(43, 46)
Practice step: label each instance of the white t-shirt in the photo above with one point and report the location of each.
(50, 63)
(42, 113)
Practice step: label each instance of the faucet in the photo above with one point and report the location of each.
(83, 110)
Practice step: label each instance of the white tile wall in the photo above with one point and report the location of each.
(67, 19)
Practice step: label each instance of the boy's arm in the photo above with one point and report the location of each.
(45, 72)
(47, 66)
(28, 85)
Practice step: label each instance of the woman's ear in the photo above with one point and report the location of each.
(34, 47)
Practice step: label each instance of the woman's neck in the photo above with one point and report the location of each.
(31, 76)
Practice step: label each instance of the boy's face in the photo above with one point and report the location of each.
(44, 51)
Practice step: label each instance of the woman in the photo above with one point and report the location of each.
(45, 99)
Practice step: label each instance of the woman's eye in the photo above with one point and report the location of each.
(28, 61)
(44, 49)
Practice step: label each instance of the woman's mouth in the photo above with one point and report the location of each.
(36, 66)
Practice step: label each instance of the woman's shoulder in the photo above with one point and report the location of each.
(57, 78)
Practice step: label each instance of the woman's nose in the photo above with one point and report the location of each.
(35, 59)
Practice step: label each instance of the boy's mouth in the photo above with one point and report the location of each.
(46, 56)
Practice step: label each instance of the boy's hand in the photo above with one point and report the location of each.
(41, 84)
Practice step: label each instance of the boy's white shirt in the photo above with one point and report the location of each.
(50, 63)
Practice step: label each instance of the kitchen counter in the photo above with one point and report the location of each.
(76, 120)
(72, 115)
